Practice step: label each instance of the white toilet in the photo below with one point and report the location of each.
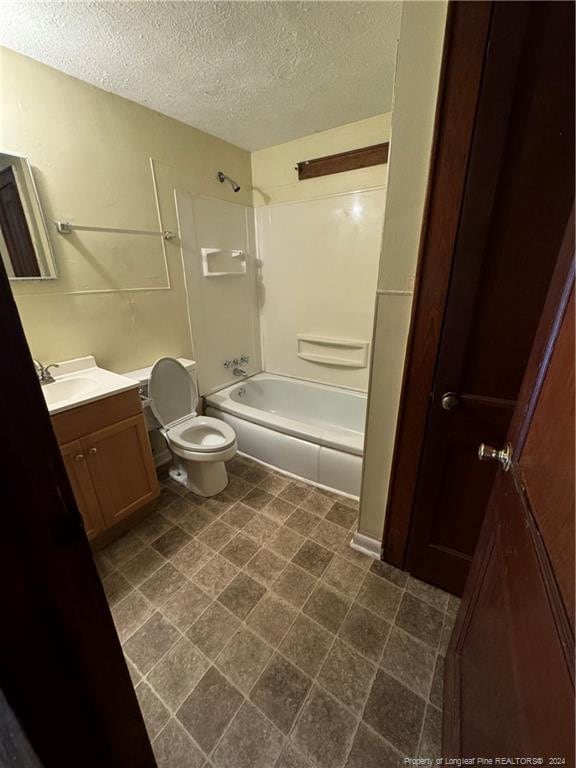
(199, 444)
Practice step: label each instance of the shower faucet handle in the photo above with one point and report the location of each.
(243, 360)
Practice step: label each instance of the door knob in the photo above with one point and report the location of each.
(450, 400)
(504, 455)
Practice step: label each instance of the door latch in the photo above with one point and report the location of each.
(504, 455)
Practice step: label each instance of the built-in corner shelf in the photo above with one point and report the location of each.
(218, 262)
(343, 353)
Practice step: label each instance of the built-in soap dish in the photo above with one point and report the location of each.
(218, 262)
(344, 353)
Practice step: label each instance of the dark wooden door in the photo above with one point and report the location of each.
(509, 687)
(15, 231)
(518, 195)
(62, 670)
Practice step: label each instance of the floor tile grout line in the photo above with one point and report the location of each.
(391, 624)
(315, 678)
(246, 698)
(136, 586)
(149, 604)
(215, 552)
(358, 718)
(264, 543)
(392, 674)
(419, 740)
(145, 676)
(172, 716)
(153, 605)
(318, 579)
(314, 681)
(426, 698)
(377, 666)
(210, 663)
(171, 710)
(184, 633)
(336, 551)
(276, 650)
(268, 587)
(423, 599)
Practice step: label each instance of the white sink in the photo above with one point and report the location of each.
(81, 381)
(68, 389)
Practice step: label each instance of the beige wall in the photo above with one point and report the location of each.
(275, 179)
(417, 77)
(119, 297)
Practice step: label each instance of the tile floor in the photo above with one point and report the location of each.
(257, 638)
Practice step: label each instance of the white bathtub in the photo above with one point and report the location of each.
(310, 430)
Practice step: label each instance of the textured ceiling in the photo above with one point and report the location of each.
(253, 73)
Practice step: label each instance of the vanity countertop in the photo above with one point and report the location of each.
(81, 381)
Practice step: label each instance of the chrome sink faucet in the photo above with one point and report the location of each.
(43, 371)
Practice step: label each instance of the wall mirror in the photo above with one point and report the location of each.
(24, 243)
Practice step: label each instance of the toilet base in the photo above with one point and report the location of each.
(204, 478)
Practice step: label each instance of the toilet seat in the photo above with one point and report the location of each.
(202, 434)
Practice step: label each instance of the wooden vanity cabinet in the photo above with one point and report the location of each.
(107, 455)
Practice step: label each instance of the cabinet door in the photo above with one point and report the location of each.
(122, 468)
(75, 461)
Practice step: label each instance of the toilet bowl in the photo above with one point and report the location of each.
(199, 444)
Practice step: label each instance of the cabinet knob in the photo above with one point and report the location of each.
(79, 457)
(92, 451)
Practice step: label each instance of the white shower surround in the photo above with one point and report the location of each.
(318, 273)
(308, 417)
(314, 431)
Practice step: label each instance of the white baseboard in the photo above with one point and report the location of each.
(367, 545)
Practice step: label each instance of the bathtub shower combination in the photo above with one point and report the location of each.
(310, 430)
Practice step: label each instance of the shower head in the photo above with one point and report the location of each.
(222, 178)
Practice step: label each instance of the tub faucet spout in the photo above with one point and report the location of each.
(240, 372)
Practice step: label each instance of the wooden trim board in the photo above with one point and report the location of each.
(364, 157)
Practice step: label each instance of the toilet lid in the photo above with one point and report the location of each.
(173, 394)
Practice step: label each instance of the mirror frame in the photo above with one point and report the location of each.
(50, 258)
